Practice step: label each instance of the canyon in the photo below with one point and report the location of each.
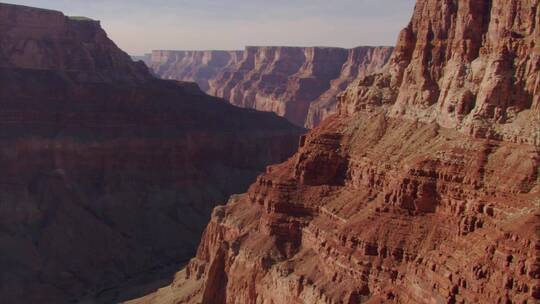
(422, 188)
(109, 173)
(298, 83)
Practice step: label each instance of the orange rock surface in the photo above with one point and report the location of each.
(423, 189)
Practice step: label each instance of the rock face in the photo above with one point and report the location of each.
(108, 172)
(424, 189)
(300, 84)
(474, 68)
(47, 40)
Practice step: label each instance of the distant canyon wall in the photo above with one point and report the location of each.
(298, 83)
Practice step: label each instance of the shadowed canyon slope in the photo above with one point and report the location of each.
(298, 83)
(108, 172)
(422, 189)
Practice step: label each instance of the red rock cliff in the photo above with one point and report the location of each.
(107, 172)
(473, 67)
(300, 84)
(424, 189)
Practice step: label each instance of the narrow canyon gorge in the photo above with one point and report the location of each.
(298, 83)
(108, 173)
(422, 188)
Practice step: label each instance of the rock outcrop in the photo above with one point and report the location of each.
(108, 172)
(298, 83)
(423, 189)
(473, 68)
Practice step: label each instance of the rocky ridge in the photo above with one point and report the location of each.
(423, 189)
(108, 172)
(298, 83)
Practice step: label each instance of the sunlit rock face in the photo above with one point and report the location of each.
(422, 189)
(108, 172)
(466, 65)
(298, 83)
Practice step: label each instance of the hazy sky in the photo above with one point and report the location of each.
(139, 26)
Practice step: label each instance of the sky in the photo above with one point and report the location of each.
(139, 26)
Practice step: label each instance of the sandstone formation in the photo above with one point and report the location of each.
(423, 189)
(107, 172)
(298, 83)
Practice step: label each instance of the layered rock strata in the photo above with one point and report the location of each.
(424, 189)
(300, 84)
(108, 172)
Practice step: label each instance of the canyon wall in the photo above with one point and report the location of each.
(108, 173)
(298, 83)
(422, 189)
